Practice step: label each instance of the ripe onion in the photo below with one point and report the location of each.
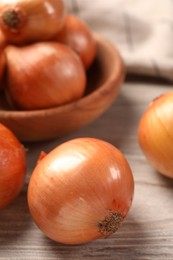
(2, 59)
(3, 41)
(155, 134)
(12, 166)
(43, 75)
(82, 190)
(76, 34)
(32, 20)
(2, 68)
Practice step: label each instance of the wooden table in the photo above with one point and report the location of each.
(147, 232)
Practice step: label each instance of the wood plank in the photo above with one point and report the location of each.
(146, 234)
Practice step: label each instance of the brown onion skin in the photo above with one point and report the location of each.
(76, 34)
(3, 44)
(38, 20)
(155, 134)
(12, 166)
(2, 69)
(81, 191)
(43, 75)
(2, 63)
(3, 41)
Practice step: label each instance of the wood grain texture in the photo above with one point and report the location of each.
(147, 233)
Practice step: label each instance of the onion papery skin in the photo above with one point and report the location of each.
(155, 134)
(43, 75)
(2, 59)
(76, 34)
(2, 68)
(12, 166)
(81, 191)
(32, 20)
(3, 42)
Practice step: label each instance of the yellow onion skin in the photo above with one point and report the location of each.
(32, 20)
(76, 34)
(155, 134)
(43, 75)
(12, 166)
(81, 191)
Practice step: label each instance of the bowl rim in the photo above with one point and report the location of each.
(116, 72)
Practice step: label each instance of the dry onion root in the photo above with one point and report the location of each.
(155, 134)
(81, 191)
(32, 20)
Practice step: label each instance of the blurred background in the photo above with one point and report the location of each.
(142, 30)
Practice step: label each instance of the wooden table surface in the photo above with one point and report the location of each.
(147, 232)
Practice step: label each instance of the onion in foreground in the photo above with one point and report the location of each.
(155, 134)
(81, 191)
(12, 166)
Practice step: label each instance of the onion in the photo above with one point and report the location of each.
(12, 166)
(32, 20)
(2, 68)
(2, 59)
(82, 190)
(155, 134)
(3, 41)
(76, 34)
(43, 75)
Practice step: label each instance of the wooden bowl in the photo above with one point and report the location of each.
(104, 80)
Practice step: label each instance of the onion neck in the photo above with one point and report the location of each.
(13, 18)
(110, 224)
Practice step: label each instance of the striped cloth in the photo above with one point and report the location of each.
(142, 31)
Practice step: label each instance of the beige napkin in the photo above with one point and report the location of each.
(141, 29)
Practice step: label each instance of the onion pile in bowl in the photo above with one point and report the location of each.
(44, 54)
